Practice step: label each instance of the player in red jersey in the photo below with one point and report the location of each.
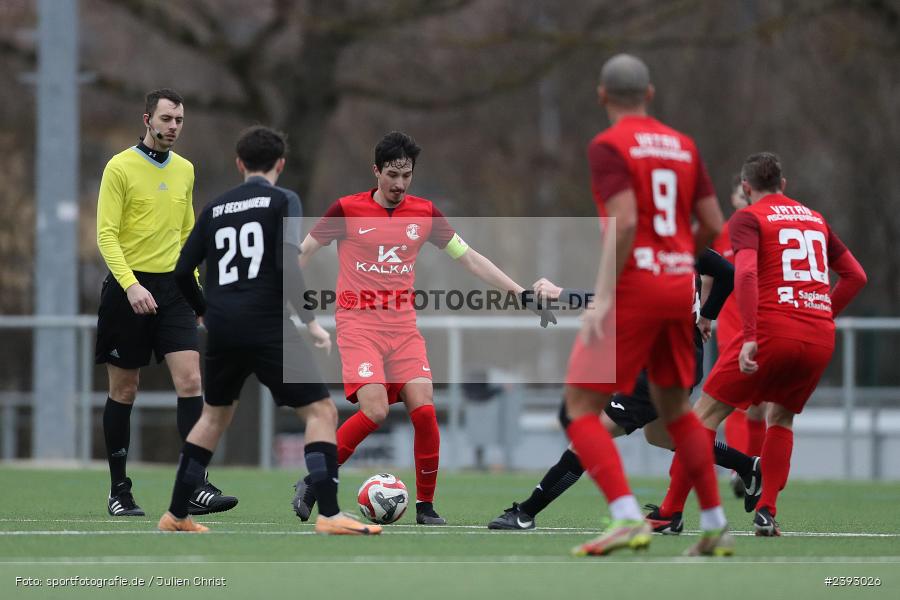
(383, 355)
(651, 180)
(744, 431)
(783, 251)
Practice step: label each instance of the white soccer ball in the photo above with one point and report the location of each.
(382, 498)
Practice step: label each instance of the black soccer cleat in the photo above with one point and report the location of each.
(208, 499)
(304, 499)
(425, 515)
(121, 503)
(513, 519)
(765, 524)
(665, 525)
(753, 484)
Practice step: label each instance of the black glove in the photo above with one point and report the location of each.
(530, 301)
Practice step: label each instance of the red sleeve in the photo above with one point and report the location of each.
(743, 228)
(836, 246)
(746, 290)
(852, 277)
(441, 230)
(704, 186)
(331, 226)
(609, 172)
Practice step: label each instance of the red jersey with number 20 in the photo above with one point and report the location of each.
(665, 170)
(377, 250)
(794, 245)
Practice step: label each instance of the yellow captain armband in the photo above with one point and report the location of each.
(456, 247)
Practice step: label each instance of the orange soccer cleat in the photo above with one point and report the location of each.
(344, 524)
(168, 522)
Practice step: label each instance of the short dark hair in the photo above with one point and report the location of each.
(154, 96)
(396, 146)
(259, 148)
(762, 171)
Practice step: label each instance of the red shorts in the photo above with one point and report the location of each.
(664, 346)
(390, 358)
(789, 371)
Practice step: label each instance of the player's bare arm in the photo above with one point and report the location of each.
(482, 268)
(308, 247)
(704, 324)
(492, 275)
(546, 289)
(321, 338)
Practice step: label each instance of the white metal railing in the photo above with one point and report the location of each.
(455, 326)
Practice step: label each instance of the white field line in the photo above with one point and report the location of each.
(420, 531)
(124, 520)
(462, 560)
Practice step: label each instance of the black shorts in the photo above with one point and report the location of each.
(287, 369)
(635, 410)
(126, 339)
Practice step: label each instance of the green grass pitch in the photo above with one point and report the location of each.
(53, 524)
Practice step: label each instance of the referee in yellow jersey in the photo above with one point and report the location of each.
(144, 215)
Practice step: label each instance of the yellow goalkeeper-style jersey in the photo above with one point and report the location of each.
(145, 213)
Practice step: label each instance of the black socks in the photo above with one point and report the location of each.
(117, 433)
(732, 459)
(321, 462)
(191, 474)
(558, 479)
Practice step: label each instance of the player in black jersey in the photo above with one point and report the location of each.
(253, 268)
(628, 412)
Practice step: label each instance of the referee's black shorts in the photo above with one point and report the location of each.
(127, 340)
(635, 410)
(286, 367)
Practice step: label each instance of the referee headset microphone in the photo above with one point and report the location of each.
(153, 130)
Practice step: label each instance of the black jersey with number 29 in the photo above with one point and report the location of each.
(243, 237)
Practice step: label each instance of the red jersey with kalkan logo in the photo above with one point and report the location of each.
(377, 250)
(664, 169)
(794, 246)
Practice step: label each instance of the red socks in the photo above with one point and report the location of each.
(775, 464)
(426, 445)
(599, 456)
(679, 488)
(737, 432)
(352, 433)
(426, 448)
(756, 435)
(692, 467)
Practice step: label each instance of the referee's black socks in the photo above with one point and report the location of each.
(191, 473)
(188, 413)
(321, 462)
(117, 434)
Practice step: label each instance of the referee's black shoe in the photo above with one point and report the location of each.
(120, 502)
(208, 499)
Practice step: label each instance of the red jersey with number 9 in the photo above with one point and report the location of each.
(664, 169)
(794, 245)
